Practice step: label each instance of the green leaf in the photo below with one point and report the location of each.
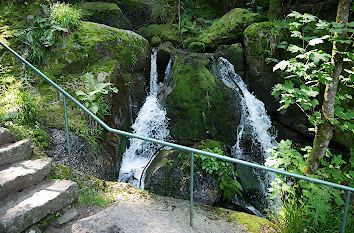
(296, 49)
(281, 65)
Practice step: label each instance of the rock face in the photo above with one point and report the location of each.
(234, 54)
(105, 13)
(113, 55)
(199, 105)
(229, 28)
(169, 175)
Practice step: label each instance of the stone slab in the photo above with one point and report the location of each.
(28, 207)
(22, 175)
(15, 152)
(5, 136)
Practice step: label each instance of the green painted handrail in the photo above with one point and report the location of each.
(176, 146)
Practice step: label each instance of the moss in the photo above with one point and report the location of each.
(164, 31)
(260, 37)
(106, 13)
(155, 40)
(196, 105)
(234, 54)
(252, 222)
(229, 28)
(196, 47)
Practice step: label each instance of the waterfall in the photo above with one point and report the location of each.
(151, 122)
(254, 133)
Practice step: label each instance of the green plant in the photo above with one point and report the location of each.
(314, 208)
(65, 15)
(92, 196)
(28, 108)
(310, 68)
(252, 5)
(94, 95)
(223, 171)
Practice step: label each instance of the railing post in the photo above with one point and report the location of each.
(191, 190)
(67, 136)
(347, 200)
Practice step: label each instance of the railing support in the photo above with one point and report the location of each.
(347, 200)
(67, 136)
(191, 191)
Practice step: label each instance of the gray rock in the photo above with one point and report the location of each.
(68, 216)
(22, 175)
(15, 152)
(19, 211)
(5, 136)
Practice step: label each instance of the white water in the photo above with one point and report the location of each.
(255, 124)
(151, 122)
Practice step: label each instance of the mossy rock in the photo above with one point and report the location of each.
(110, 55)
(169, 175)
(164, 31)
(234, 54)
(258, 38)
(229, 28)
(138, 12)
(200, 106)
(105, 13)
(253, 223)
(196, 47)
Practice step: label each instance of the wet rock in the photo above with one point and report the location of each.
(169, 175)
(81, 157)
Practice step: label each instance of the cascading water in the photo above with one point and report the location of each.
(254, 133)
(151, 122)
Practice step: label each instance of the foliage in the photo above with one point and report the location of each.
(251, 4)
(223, 171)
(308, 206)
(58, 18)
(94, 95)
(92, 196)
(65, 15)
(310, 68)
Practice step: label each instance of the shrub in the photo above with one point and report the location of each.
(65, 15)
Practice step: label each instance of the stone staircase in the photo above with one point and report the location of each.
(26, 194)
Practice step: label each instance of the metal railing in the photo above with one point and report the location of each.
(176, 146)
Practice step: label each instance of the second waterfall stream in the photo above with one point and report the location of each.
(151, 122)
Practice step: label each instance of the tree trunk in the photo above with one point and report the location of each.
(324, 131)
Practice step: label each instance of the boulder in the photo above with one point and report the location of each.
(164, 31)
(169, 175)
(234, 54)
(199, 105)
(113, 55)
(229, 28)
(105, 13)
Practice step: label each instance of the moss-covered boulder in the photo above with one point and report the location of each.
(199, 105)
(105, 13)
(169, 175)
(258, 38)
(164, 31)
(234, 54)
(138, 12)
(229, 28)
(108, 54)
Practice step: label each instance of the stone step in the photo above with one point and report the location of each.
(14, 152)
(22, 175)
(25, 208)
(5, 136)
